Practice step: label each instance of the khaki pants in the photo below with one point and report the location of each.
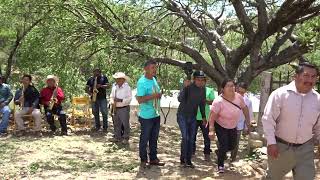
(299, 160)
(36, 114)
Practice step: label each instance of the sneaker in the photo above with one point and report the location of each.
(189, 165)
(220, 169)
(3, 133)
(182, 162)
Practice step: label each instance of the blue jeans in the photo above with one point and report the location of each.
(5, 111)
(149, 133)
(100, 106)
(188, 129)
(205, 134)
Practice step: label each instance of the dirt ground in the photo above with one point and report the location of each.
(87, 155)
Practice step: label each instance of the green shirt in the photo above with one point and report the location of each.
(147, 87)
(209, 97)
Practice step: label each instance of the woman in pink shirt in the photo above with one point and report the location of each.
(225, 112)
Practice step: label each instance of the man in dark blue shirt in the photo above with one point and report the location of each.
(28, 99)
(5, 98)
(99, 102)
(191, 97)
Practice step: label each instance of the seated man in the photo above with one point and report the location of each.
(51, 97)
(28, 99)
(5, 98)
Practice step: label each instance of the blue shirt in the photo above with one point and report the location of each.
(5, 94)
(146, 87)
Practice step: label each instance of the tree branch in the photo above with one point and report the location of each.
(243, 17)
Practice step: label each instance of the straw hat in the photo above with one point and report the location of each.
(119, 75)
(55, 78)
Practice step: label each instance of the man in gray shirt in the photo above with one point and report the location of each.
(290, 120)
(190, 97)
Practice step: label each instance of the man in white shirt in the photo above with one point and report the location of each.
(242, 90)
(290, 121)
(120, 98)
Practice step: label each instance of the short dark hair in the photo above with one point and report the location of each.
(242, 85)
(302, 65)
(28, 76)
(149, 62)
(224, 82)
(97, 69)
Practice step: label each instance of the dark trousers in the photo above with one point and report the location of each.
(61, 117)
(236, 148)
(188, 129)
(149, 134)
(100, 106)
(227, 141)
(205, 134)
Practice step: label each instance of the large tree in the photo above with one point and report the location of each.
(235, 39)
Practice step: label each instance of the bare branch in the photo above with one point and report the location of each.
(243, 17)
(278, 43)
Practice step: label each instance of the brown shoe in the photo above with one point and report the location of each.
(156, 163)
(144, 164)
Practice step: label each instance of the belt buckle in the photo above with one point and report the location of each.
(290, 144)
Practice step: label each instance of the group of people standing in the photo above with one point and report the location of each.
(229, 116)
(291, 121)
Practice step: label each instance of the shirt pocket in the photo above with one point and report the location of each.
(312, 113)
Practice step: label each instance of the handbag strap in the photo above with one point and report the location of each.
(232, 103)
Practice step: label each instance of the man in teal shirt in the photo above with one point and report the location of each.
(5, 98)
(205, 130)
(148, 96)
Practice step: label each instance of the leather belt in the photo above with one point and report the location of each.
(288, 143)
(122, 107)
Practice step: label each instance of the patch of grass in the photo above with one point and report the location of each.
(33, 167)
(119, 166)
(6, 151)
(73, 165)
(113, 148)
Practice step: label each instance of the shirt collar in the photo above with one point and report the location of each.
(292, 87)
(123, 85)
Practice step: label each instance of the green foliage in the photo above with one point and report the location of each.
(70, 42)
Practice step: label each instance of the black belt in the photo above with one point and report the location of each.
(288, 143)
(122, 107)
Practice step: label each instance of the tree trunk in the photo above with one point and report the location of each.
(264, 95)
